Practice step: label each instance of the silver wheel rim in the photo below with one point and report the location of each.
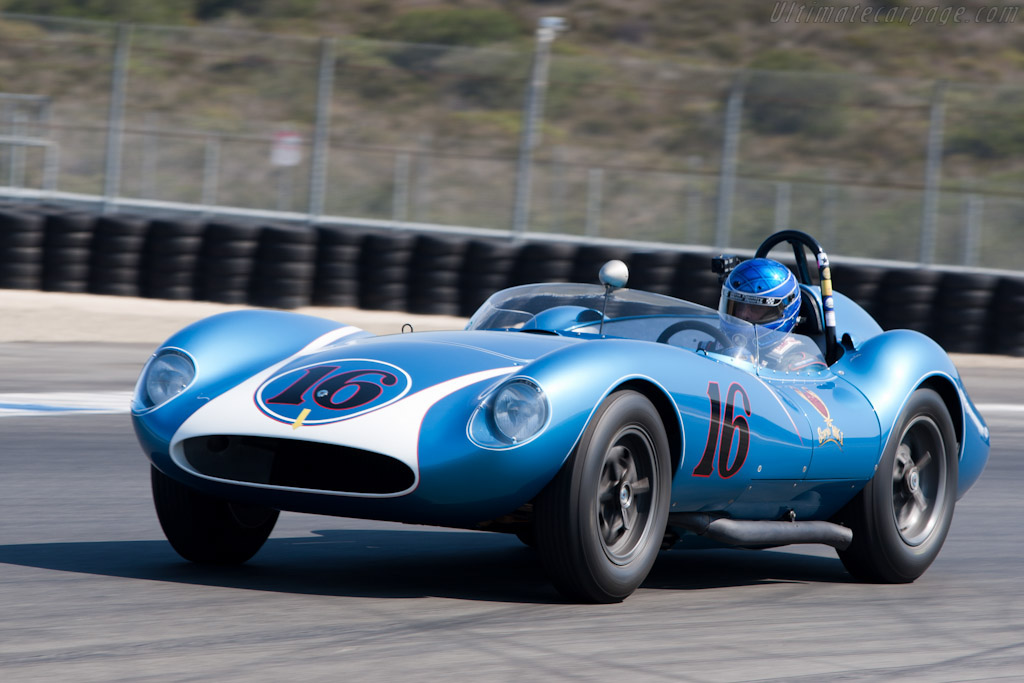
(626, 496)
(919, 480)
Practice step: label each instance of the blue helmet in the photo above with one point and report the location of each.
(763, 292)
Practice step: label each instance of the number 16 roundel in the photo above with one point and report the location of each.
(331, 391)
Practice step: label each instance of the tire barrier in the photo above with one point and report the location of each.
(589, 258)
(487, 268)
(905, 297)
(286, 266)
(962, 312)
(170, 257)
(1008, 317)
(384, 269)
(21, 250)
(67, 251)
(226, 262)
(544, 262)
(336, 280)
(858, 282)
(654, 271)
(435, 275)
(116, 254)
(694, 280)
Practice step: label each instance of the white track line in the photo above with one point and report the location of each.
(64, 403)
(1000, 408)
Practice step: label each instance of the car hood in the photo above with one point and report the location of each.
(369, 393)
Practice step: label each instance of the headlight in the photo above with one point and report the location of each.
(519, 410)
(165, 376)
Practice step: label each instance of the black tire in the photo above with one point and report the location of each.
(285, 270)
(175, 245)
(338, 271)
(235, 249)
(209, 530)
(436, 278)
(900, 520)
(21, 239)
(598, 527)
(170, 229)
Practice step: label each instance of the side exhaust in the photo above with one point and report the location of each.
(762, 533)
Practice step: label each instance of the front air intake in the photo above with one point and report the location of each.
(297, 464)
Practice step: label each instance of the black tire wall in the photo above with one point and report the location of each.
(21, 250)
(52, 248)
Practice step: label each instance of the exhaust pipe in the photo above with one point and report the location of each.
(762, 533)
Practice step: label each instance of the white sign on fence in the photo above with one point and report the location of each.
(287, 149)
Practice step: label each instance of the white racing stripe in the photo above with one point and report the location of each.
(110, 402)
(64, 403)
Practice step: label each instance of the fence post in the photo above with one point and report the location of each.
(6, 116)
(558, 190)
(782, 195)
(973, 209)
(932, 173)
(147, 175)
(115, 120)
(830, 211)
(51, 168)
(17, 155)
(403, 178)
(727, 175)
(321, 134)
(694, 199)
(211, 170)
(536, 89)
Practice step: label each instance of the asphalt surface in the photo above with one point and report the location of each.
(90, 591)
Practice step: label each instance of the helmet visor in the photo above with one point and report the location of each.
(759, 310)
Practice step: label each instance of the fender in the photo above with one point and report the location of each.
(224, 351)
(905, 358)
(852, 320)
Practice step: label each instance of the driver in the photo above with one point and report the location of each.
(764, 292)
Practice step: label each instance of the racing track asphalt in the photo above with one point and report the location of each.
(90, 591)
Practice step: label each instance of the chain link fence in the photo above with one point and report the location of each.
(651, 151)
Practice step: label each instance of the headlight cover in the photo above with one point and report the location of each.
(515, 413)
(166, 375)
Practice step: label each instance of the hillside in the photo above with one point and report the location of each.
(984, 42)
(838, 108)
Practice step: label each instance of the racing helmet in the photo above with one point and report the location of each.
(763, 292)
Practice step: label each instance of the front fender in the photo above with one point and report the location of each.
(456, 472)
(227, 348)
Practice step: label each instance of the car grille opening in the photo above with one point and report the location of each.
(297, 464)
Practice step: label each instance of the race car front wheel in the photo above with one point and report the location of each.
(901, 518)
(599, 524)
(209, 530)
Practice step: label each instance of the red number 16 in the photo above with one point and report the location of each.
(722, 430)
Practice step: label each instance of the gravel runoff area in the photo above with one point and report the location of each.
(57, 317)
(28, 316)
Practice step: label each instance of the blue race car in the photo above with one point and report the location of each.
(599, 424)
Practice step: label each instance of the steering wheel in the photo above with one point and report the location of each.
(698, 325)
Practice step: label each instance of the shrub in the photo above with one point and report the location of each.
(469, 27)
(794, 92)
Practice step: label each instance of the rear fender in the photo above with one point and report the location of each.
(889, 367)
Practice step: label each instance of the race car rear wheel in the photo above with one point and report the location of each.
(599, 524)
(901, 518)
(209, 530)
